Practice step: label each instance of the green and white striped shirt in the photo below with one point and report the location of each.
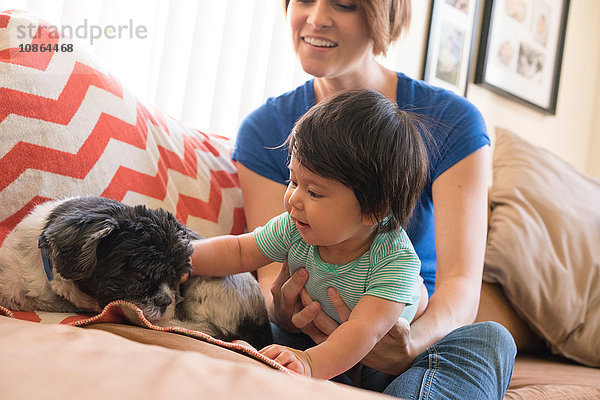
(389, 269)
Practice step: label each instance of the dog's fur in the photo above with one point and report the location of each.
(102, 250)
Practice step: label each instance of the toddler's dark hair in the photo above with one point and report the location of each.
(364, 141)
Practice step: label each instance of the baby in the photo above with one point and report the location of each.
(357, 167)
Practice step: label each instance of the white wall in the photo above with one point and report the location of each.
(568, 133)
(574, 132)
(593, 165)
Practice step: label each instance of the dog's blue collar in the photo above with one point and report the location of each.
(45, 260)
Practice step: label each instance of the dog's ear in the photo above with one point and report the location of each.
(73, 240)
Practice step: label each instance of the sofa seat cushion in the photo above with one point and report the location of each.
(551, 392)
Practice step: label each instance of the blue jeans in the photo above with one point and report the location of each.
(473, 362)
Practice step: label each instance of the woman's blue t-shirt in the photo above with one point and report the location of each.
(455, 130)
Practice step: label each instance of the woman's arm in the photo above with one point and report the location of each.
(460, 207)
(368, 322)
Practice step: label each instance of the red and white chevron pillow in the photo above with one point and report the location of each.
(68, 127)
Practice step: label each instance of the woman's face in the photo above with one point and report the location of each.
(330, 37)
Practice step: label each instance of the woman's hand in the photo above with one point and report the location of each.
(296, 311)
(392, 354)
(287, 311)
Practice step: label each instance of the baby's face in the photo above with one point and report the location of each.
(325, 211)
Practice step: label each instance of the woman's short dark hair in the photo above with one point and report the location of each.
(363, 140)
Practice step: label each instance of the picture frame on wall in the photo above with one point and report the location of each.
(521, 48)
(450, 43)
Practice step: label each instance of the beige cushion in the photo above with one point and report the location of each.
(544, 245)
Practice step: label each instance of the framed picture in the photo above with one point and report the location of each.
(521, 49)
(450, 44)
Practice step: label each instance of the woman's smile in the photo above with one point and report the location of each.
(319, 42)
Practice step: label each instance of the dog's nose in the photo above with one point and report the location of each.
(163, 300)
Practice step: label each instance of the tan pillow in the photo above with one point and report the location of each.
(544, 245)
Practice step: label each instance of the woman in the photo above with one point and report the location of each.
(441, 354)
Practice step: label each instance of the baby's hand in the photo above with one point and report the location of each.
(293, 359)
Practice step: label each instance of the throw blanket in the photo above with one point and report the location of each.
(128, 313)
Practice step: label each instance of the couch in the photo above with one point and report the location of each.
(68, 127)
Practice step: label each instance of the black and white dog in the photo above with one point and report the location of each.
(81, 253)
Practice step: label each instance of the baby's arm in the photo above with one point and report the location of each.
(227, 255)
(369, 321)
